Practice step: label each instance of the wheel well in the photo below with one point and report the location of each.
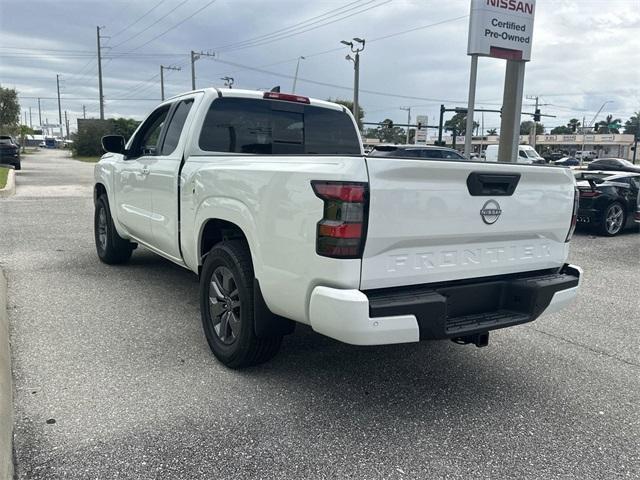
(216, 230)
(98, 190)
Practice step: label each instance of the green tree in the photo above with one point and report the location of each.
(573, 124)
(349, 105)
(459, 123)
(561, 130)
(632, 125)
(386, 132)
(527, 125)
(609, 125)
(24, 130)
(124, 126)
(492, 131)
(9, 111)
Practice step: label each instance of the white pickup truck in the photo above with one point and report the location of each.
(270, 199)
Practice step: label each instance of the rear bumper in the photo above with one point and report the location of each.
(587, 215)
(410, 314)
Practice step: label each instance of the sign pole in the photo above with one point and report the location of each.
(511, 108)
(470, 107)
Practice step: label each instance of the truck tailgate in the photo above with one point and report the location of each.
(435, 221)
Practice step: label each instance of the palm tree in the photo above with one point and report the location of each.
(492, 131)
(573, 124)
(633, 124)
(609, 125)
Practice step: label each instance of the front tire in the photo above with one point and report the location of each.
(227, 310)
(613, 220)
(112, 249)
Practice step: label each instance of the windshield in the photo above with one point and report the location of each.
(532, 154)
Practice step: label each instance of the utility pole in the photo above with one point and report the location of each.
(84, 111)
(66, 123)
(100, 75)
(162, 69)
(440, 125)
(356, 75)
(30, 119)
(408, 109)
(197, 56)
(295, 77)
(59, 108)
(39, 113)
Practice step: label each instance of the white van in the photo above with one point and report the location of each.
(526, 154)
(586, 155)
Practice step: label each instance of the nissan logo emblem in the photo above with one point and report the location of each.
(490, 212)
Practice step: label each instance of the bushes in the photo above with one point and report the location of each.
(86, 142)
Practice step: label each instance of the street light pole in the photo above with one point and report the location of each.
(295, 77)
(356, 76)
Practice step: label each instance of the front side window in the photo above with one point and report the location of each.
(252, 126)
(146, 140)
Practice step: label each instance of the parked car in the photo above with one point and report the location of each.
(586, 155)
(413, 151)
(567, 162)
(608, 200)
(9, 151)
(268, 197)
(618, 164)
(526, 154)
(554, 156)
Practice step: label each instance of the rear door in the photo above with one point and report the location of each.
(434, 221)
(163, 181)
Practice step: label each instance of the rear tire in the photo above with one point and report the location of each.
(227, 309)
(18, 166)
(613, 220)
(112, 249)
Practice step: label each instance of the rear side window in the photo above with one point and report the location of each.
(174, 130)
(245, 125)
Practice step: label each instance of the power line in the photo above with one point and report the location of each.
(175, 26)
(151, 25)
(315, 27)
(139, 18)
(290, 27)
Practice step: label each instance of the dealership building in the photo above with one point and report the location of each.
(605, 145)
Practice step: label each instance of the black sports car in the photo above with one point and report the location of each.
(617, 164)
(608, 200)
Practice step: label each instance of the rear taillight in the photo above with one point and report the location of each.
(589, 193)
(574, 215)
(342, 231)
(287, 97)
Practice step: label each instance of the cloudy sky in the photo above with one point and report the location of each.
(584, 53)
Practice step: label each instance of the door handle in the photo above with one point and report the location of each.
(145, 171)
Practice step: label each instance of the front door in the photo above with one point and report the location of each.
(134, 198)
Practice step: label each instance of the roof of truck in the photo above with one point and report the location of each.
(257, 94)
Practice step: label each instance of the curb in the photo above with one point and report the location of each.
(10, 188)
(6, 389)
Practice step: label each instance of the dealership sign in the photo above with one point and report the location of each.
(501, 28)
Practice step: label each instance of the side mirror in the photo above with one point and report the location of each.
(113, 143)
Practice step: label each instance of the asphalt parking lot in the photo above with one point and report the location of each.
(114, 379)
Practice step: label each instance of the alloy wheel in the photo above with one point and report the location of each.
(614, 219)
(102, 228)
(224, 305)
